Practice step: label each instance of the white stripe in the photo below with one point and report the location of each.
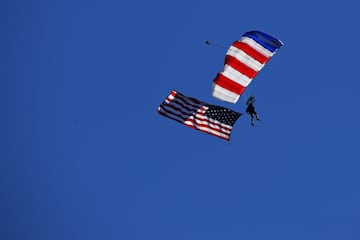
(257, 47)
(235, 75)
(215, 128)
(220, 125)
(170, 97)
(206, 129)
(245, 58)
(224, 94)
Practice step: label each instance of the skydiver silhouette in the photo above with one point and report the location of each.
(251, 109)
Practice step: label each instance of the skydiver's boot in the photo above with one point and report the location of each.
(252, 122)
(257, 117)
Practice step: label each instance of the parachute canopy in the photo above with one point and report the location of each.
(244, 59)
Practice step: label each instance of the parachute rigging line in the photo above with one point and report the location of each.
(215, 45)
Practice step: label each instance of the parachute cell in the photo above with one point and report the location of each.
(244, 59)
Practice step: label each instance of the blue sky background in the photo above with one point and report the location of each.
(84, 154)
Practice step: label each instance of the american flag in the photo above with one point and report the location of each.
(244, 59)
(211, 119)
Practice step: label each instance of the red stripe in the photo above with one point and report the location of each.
(241, 67)
(219, 127)
(173, 94)
(251, 52)
(229, 84)
(207, 128)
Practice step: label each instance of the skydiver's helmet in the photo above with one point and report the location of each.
(250, 100)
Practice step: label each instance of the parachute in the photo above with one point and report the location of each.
(244, 59)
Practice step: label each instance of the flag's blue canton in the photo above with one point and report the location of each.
(222, 114)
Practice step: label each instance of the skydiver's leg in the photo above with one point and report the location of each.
(252, 119)
(257, 117)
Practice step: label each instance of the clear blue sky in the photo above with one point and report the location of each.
(84, 154)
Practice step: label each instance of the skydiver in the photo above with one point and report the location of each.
(251, 109)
